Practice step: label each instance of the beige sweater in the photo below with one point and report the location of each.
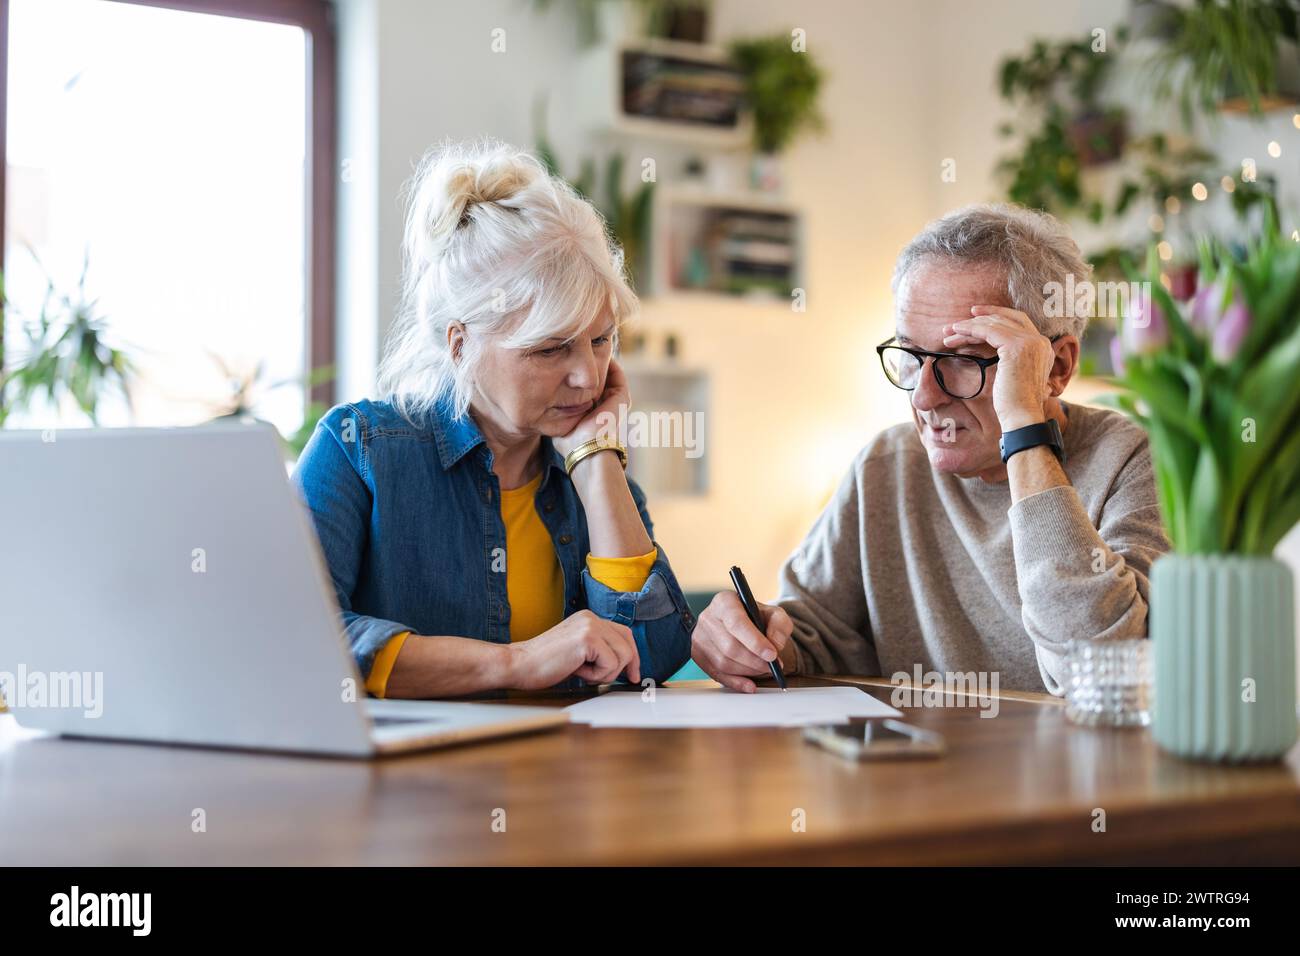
(910, 566)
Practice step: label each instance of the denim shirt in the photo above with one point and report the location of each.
(409, 521)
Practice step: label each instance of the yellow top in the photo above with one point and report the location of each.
(534, 580)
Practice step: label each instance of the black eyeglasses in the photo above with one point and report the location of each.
(960, 376)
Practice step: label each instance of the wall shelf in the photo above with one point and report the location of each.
(740, 246)
(662, 90)
(672, 401)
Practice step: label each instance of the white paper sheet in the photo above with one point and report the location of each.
(718, 707)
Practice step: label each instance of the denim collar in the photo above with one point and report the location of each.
(457, 437)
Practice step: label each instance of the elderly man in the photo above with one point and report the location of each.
(995, 526)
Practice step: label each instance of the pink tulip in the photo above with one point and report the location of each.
(1204, 314)
(1229, 333)
(1144, 328)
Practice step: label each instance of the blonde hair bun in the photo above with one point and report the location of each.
(462, 179)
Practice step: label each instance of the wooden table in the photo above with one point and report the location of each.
(1019, 788)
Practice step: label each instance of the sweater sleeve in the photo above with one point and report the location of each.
(822, 590)
(1080, 580)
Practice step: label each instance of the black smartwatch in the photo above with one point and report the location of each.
(1031, 436)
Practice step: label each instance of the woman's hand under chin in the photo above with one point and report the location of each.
(602, 420)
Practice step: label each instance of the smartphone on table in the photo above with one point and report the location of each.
(876, 739)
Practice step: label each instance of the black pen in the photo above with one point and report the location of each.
(751, 608)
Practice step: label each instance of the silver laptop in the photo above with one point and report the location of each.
(165, 584)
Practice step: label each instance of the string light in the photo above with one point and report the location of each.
(1172, 205)
(1165, 250)
(1227, 184)
(1156, 222)
(1199, 192)
(1275, 149)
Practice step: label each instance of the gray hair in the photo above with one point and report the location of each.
(1032, 249)
(496, 243)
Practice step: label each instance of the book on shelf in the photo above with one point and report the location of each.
(680, 90)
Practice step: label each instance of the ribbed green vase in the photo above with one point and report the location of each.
(1223, 628)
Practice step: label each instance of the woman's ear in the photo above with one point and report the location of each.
(455, 340)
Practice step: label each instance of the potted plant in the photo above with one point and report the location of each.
(1045, 172)
(613, 21)
(1213, 382)
(782, 84)
(1066, 79)
(1231, 54)
(67, 356)
(1153, 20)
(247, 389)
(1058, 85)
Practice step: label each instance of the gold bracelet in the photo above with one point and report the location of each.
(590, 447)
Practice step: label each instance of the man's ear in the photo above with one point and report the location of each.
(455, 339)
(1065, 363)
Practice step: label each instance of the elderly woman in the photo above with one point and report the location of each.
(478, 525)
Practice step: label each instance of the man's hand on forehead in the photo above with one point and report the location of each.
(994, 325)
(1025, 359)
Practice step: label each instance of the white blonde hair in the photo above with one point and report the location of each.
(493, 241)
(1030, 248)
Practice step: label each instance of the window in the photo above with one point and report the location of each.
(181, 153)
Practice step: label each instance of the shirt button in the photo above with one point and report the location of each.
(573, 602)
(566, 538)
(550, 506)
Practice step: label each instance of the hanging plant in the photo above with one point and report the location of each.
(781, 86)
(1225, 50)
(1058, 86)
